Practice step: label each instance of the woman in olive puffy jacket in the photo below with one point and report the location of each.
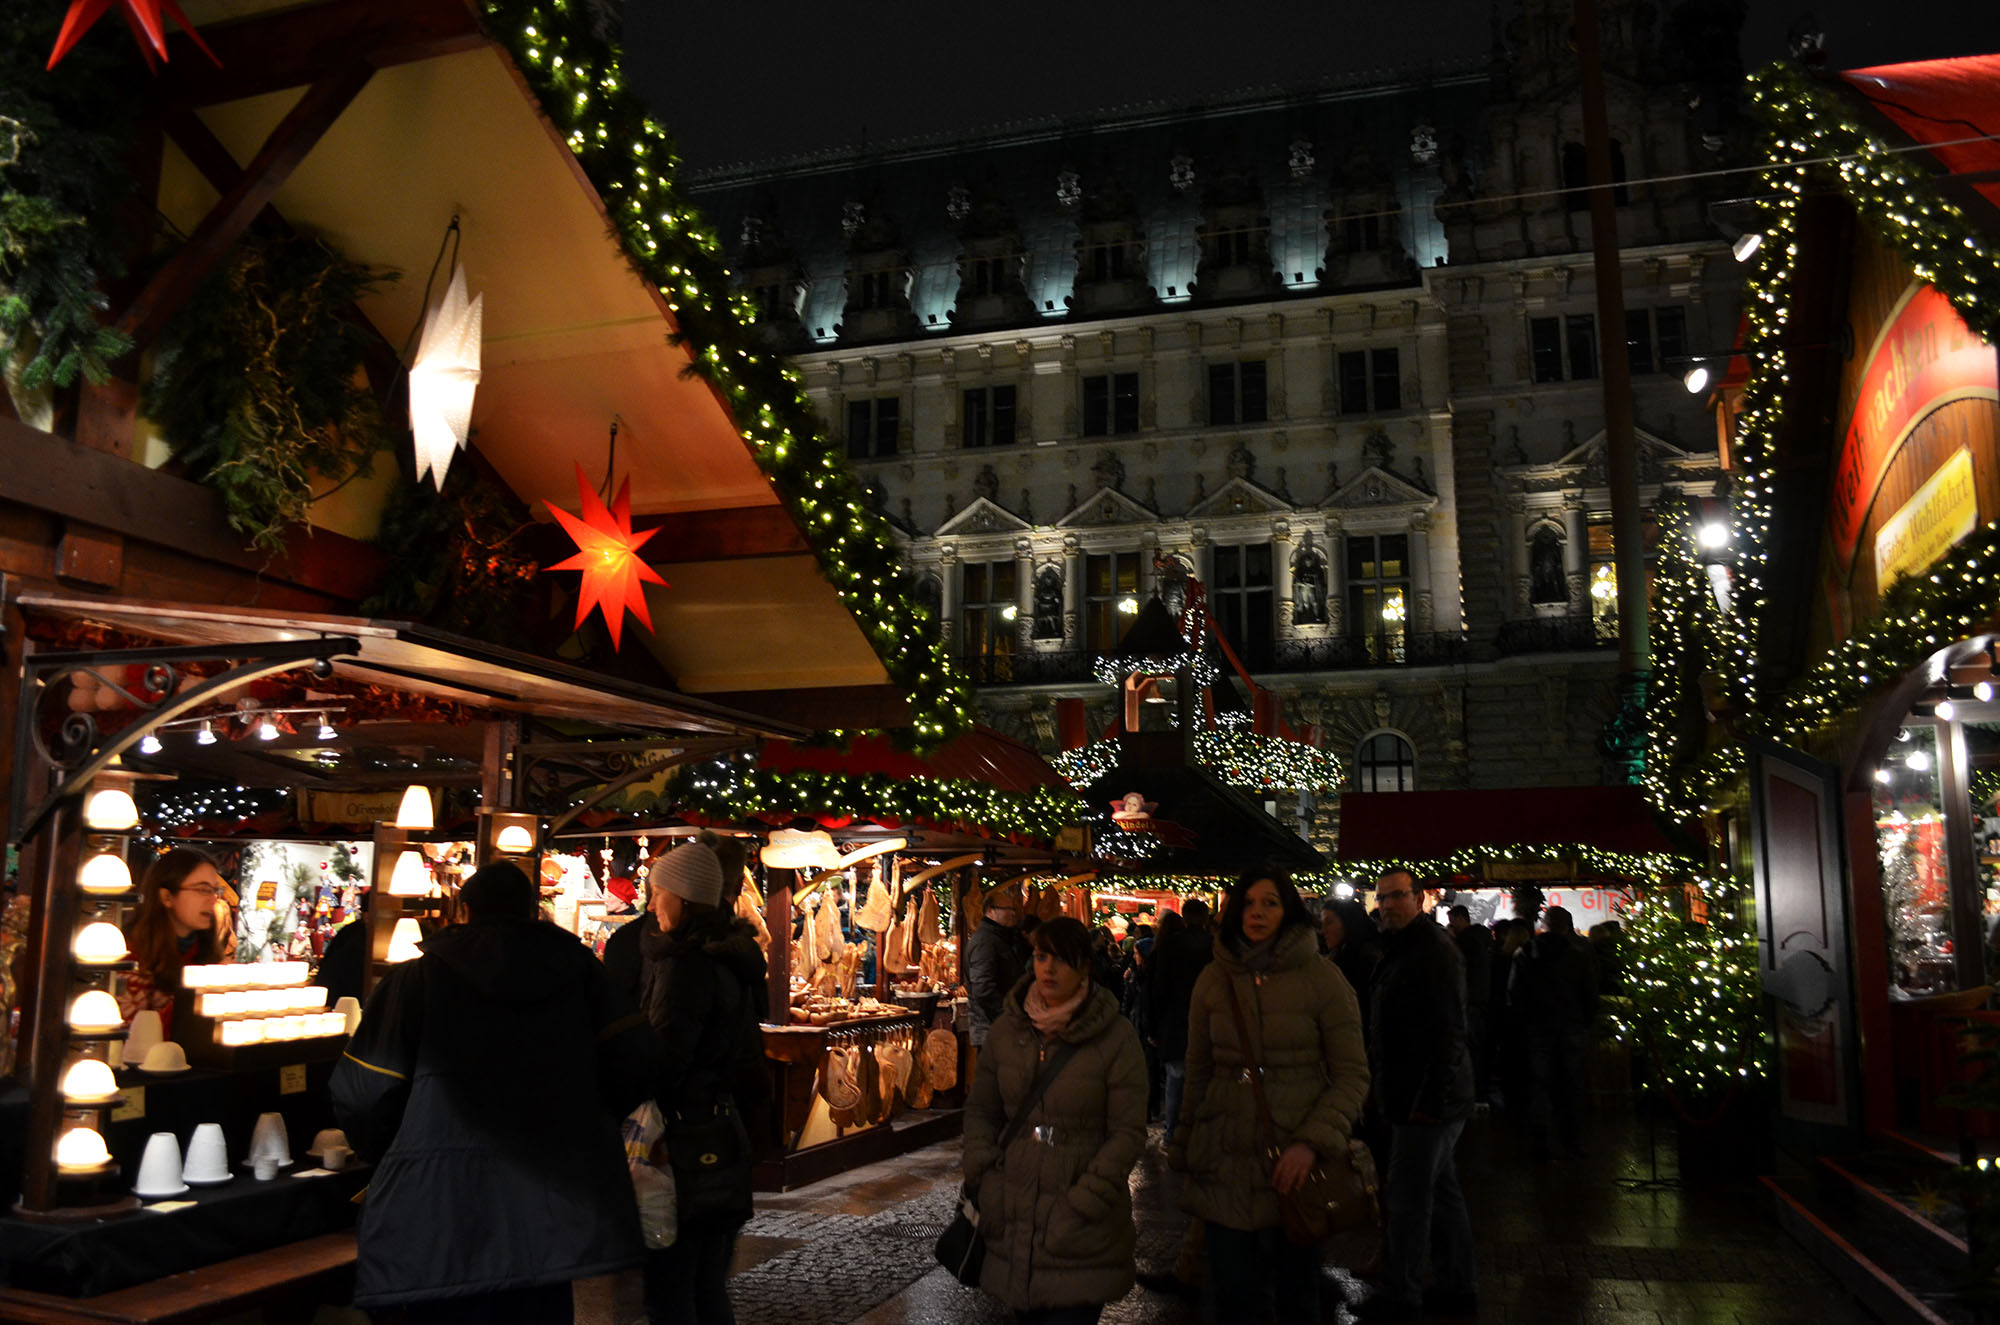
(1305, 1027)
(1056, 1208)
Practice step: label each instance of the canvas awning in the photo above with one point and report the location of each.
(1951, 107)
(981, 756)
(1435, 825)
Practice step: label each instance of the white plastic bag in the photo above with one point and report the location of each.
(652, 1184)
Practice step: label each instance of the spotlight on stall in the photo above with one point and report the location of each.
(1696, 379)
(1746, 245)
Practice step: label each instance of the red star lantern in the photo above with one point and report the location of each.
(607, 552)
(146, 18)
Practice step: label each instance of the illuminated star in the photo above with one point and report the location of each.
(146, 18)
(614, 577)
(1928, 1201)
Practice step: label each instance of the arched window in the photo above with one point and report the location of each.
(1385, 762)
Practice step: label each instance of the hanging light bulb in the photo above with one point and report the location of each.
(205, 736)
(326, 731)
(149, 744)
(1917, 760)
(267, 730)
(403, 941)
(415, 811)
(104, 874)
(1882, 774)
(94, 1012)
(1696, 379)
(111, 810)
(1946, 710)
(89, 1081)
(409, 878)
(1983, 691)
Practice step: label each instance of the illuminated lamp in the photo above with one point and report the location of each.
(1714, 536)
(1746, 245)
(104, 874)
(94, 1012)
(1946, 710)
(409, 878)
(415, 811)
(81, 1150)
(99, 944)
(149, 744)
(111, 811)
(1917, 760)
(607, 552)
(267, 730)
(443, 379)
(206, 735)
(515, 840)
(89, 1081)
(403, 941)
(1696, 379)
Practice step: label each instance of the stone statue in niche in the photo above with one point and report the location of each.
(1109, 471)
(930, 594)
(986, 483)
(1309, 585)
(1379, 451)
(1241, 464)
(1548, 582)
(1049, 604)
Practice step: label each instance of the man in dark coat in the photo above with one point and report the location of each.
(486, 1081)
(1553, 992)
(1475, 945)
(996, 957)
(1423, 1090)
(1178, 960)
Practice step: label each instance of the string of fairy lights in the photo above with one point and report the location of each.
(628, 158)
(1813, 135)
(1248, 761)
(725, 788)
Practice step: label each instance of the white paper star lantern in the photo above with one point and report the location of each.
(443, 379)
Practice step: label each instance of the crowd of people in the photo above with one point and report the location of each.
(489, 1077)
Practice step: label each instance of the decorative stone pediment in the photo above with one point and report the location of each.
(1239, 496)
(1107, 507)
(1376, 486)
(1588, 464)
(983, 516)
(1658, 449)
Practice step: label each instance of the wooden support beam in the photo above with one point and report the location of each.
(287, 146)
(302, 45)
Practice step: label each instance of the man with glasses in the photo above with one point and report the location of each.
(1423, 1090)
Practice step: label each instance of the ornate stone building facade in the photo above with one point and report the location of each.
(1336, 350)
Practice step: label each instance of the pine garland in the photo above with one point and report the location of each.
(1695, 1016)
(454, 559)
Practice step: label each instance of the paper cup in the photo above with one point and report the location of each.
(207, 1157)
(144, 1033)
(160, 1168)
(265, 1168)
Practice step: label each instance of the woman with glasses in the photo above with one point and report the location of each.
(1305, 1039)
(174, 928)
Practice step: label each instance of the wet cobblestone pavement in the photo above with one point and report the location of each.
(1557, 1244)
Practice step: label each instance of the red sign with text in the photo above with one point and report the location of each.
(1927, 357)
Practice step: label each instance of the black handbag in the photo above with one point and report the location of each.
(710, 1154)
(961, 1248)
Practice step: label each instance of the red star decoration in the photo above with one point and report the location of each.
(614, 577)
(146, 18)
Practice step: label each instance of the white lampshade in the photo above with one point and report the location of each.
(89, 1081)
(410, 878)
(415, 811)
(403, 940)
(111, 811)
(443, 379)
(515, 840)
(99, 944)
(81, 1149)
(103, 874)
(94, 1012)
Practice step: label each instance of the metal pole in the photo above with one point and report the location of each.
(1634, 651)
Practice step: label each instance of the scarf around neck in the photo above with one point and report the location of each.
(1052, 1018)
(1258, 956)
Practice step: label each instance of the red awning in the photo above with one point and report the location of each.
(1430, 825)
(1943, 101)
(982, 755)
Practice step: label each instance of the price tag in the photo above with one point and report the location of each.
(292, 1079)
(131, 1104)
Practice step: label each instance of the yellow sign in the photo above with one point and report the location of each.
(1944, 510)
(131, 1104)
(292, 1079)
(1525, 871)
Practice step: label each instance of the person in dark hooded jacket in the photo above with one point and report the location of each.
(703, 978)
(486, 1081)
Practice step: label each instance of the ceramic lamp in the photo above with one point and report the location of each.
(410, 878)
(89, 1081)
(415, 811)
(403, 940)
(103, 875)
(111, 810)
(99, 944)
(515, 840)
(80, 1150)
(94, 1012)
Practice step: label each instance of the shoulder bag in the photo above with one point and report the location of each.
(962, 1248)
(1338, 1195)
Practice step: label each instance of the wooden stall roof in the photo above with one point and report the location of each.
(1423, 825)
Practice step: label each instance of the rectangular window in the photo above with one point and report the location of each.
(1110, 598)
(1364, 232)
(1236, 393)
(871, 289)
(1110, 404)
(1370, 381)
(1107, 262)
(1656, 339)
(988, 418)
(1563, 348)
(1603, 572)
(1378, 592)
(991, 606)
(1241, 598)
(872, 426)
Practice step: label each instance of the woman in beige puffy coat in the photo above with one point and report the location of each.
(1306, 1028)
(1056, 1208)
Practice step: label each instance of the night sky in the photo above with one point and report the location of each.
(756, 81)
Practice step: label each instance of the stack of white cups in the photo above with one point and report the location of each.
(270, 1147)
